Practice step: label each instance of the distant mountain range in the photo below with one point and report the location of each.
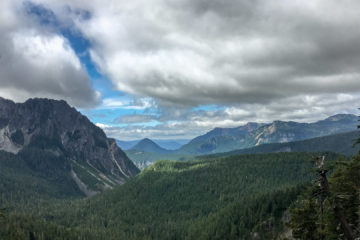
(254, 134)
(258, 137)
(342, 143)
(51, 155)
(53, 139)
(168, 144)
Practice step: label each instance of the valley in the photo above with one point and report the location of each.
(179, 120)
(69, 181)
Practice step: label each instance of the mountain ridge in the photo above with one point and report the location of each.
(168, 144)
(147, 145)
(93, 161)
(341, 143)
(277, 131)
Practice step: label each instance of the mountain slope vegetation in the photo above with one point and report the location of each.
(44, 159)
(179, 200)
(235, 197)
(315, 215)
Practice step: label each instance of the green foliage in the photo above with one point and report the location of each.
(307, 220)
(225, 198)
(32, 175)
(236, 197)
(258, 217)
(143, 159)
(85, 176)
(304, 218)
(22, 227)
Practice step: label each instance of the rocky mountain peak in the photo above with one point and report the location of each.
(341, 117)
(53, 125)
(148, 145)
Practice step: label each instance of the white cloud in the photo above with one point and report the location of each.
(202, 52)
(113, 103)
(127, 103)
(258, 60)
(35, 61)
(44, 51)
(103, 126)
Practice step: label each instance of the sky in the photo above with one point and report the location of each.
(175, 69)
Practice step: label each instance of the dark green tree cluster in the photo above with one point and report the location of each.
(314, 216)
(237, 197)
(25, 227)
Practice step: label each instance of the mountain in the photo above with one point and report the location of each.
(280, 131)
(342, 143)
(222, 140)
(146, 152)
(147, 145)
(253, 134)
(56, 142)
(221, 132)
(168, 144)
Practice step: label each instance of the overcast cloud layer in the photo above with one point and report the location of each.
(255, 60)
(211, 52)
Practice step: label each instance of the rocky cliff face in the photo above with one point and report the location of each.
(95, 162)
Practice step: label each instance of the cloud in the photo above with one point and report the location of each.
(257, 60)
(36, 61)
(188, 53)
(135, 118)
(127, 103)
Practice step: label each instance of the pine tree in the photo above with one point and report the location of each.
(332, 212)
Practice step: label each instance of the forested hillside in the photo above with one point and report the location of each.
(33, 175)
(246, 196)
(179, 120)
(224, 198)
(235, 197)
